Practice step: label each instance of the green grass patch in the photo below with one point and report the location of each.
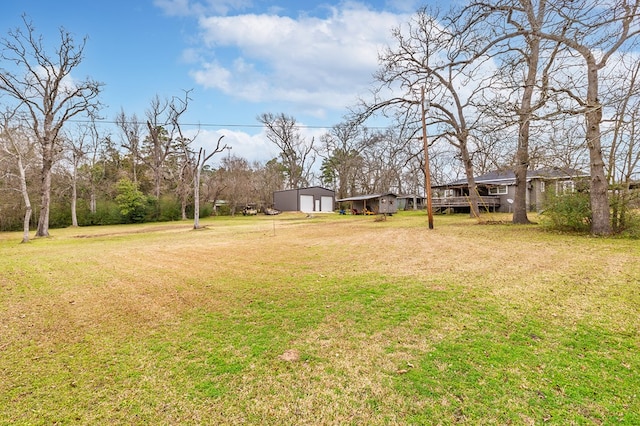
(323, 320)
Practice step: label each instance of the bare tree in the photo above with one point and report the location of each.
(131, 132)
(296, 153)
(440, 59)
(159, 143)
(42, 86)
(76, 147)
(519, 87)
(164, 138)
(268, 178)
(19, 146)
(239, 190)
(200, 162)
(97, 143)
(623, 150)
(595, 33)
(342, 146)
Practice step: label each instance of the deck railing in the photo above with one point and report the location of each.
(489, 202)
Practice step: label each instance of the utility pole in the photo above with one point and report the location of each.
(427, 172)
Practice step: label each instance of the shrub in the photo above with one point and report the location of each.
(567, 212)
(625, 219)
(107, 213)
(132, 203)
(169, 209)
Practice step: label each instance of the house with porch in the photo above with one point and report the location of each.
(411, 202)
(497, 189)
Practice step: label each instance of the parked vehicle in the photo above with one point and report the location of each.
(249, 210)
(271, 212)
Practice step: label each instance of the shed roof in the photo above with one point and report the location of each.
(366, 197)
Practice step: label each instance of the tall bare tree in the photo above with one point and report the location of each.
(131, 133)
(192, 163)
(623, 149)
(595, 33)
(198, 165)
(296, 153)
(519, 87)
(76, 146)
(42, 86)
(19, 146)
(440, 59)
(342, 146)
(159, 143)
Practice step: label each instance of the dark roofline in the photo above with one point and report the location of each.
(306, 187)
(507, 177)
(366, 197)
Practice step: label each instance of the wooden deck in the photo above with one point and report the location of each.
(487, 202)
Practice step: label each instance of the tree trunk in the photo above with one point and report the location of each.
(522, 161)
(27, 202)
(520, 198)
(92, 201)
(45, 192)
(599, 197)
(74, 198)
(196, 198)
(524, 124)
(474, 197)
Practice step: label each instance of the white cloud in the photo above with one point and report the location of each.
(321, 62)
(243, 145)
(252, 147)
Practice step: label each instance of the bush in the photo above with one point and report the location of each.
(567, 212)
(107, 213)
(625, 218)
(206, 210)
(169, 209)
(132, 203)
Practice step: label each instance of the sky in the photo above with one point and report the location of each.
(310, 59)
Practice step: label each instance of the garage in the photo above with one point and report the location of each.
(314, 199)
(326, 204)
(306, 203)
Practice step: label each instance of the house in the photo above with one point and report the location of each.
(307, 200)
(497, 189)
(411, 202)
(371, 204)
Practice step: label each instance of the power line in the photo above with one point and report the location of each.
(297, 126)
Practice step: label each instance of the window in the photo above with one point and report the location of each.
(542, 186)
(565, 187)
(498, 190)
(449, 193)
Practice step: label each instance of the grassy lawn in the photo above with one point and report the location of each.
(323, 320)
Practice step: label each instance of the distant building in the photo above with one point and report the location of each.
(411, 202)
(371, 204)
(307, 200)
(497, 189)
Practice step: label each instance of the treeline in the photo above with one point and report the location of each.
(503, 84)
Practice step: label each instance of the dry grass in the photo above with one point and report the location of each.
(324, 320)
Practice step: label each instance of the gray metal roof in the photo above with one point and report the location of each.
(508, 177)
(365, 197)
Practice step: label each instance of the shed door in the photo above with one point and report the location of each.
(327, 204)
(306, 203)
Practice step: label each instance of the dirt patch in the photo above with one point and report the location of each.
(290, 355)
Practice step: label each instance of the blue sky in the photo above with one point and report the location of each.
(307, 58)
